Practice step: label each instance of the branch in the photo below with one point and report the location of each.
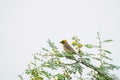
(105, 76)
(96, 69)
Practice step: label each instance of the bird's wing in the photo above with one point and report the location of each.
(69, 48)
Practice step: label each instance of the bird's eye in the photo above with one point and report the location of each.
(62, 42)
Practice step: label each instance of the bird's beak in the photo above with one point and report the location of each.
(60, 41)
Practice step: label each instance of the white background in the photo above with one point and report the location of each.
(25, 26)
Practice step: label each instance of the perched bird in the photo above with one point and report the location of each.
(67, 47)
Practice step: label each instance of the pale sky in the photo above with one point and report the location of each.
(25, 26)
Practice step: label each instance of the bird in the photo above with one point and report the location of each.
(67, 48)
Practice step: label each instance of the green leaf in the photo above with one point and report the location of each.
(59, 55)
(51, 44)
(21, 78)
(68, 55)
(89, 45)
(33, 63)
(76, 68)
(109, 40)
(79, 70)
(34, 72)
(36, 58)
(88, 54)
(86, 60)
(45, 49)
(28, 71)
(46, 74)
(107, 51)
(106, 57)
(96, 58)
(60, 76)
(112, 66)
(45, 64)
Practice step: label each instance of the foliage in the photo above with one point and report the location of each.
(55, 65)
